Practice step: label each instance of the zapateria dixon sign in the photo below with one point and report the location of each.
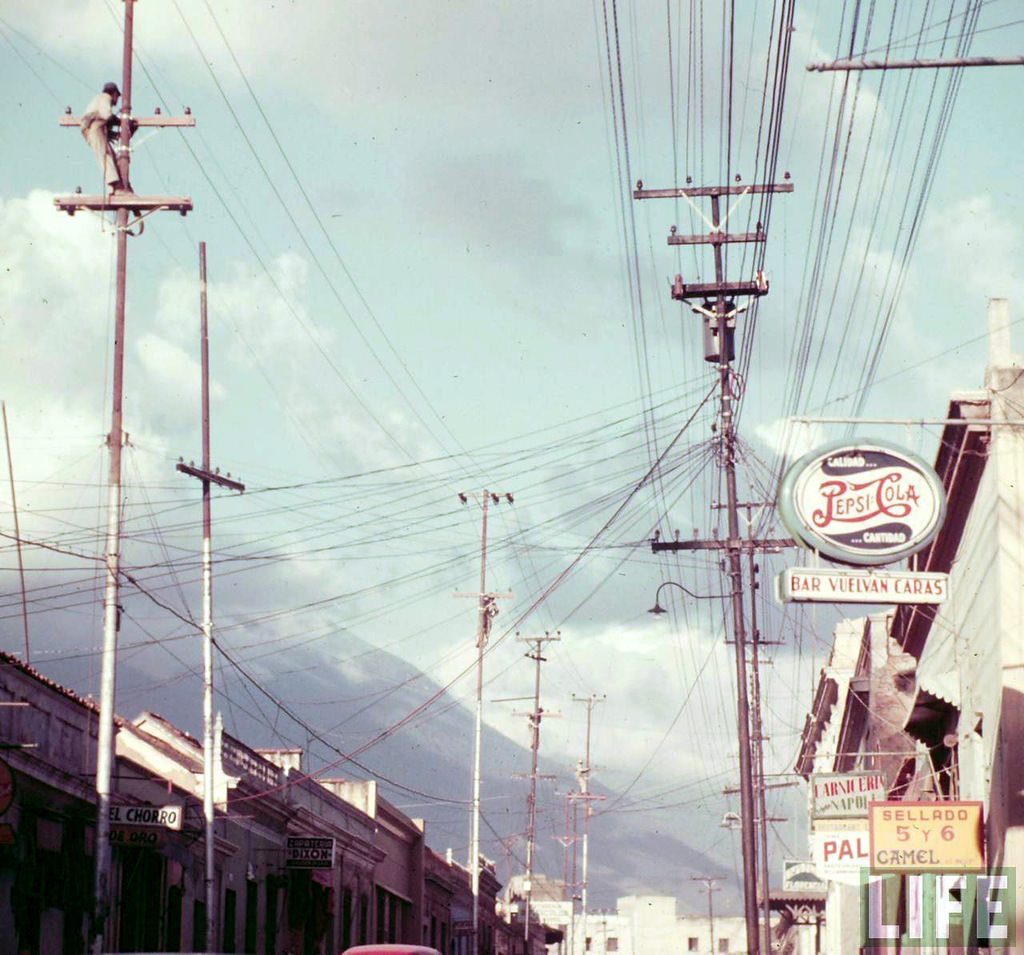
(865, 503)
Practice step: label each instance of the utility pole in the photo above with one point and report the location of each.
(140, 206)
(756, 721)
(719, 312)
(710, 888)
(575, 884)
(17, 530)
(758, 740)
(567, 839)
(531, 804)
(583, 771)
(488, 610)
(207, 477)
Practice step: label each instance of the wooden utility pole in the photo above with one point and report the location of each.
(566, 840)
(123, 204)
(17, 530)
(531, 803)
(583, 770)
(710, 888)
(487, 611)
(757, 727)
(719, 312)
(757, 723)
(208, 477)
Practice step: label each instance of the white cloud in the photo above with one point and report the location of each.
(790, 438)
(648, 671)
(974, 232)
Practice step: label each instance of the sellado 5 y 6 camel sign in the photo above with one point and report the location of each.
(866, 503)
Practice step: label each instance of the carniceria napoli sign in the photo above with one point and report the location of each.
(865, 503)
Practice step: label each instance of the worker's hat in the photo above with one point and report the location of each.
(111, 88)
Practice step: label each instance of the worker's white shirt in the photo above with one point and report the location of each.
(100, 109)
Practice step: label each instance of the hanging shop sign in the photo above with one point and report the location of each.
(799, 875)
(309, 852)
(845, 795)
(865, 503)
(917, 836)
(137, 838)
(840, 848)
(815, 585)
(163, 817)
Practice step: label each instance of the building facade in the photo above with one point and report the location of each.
(934, 701)
(303, 866)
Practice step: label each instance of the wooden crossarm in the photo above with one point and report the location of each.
(717, 238)
(711, 289)
(694, 191)
(68, 120)
(126, 200)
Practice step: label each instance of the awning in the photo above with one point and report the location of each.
(938, 689)
(937, 670)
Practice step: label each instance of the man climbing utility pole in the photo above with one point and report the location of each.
(122, 203)
(97, 122)
(487, 611)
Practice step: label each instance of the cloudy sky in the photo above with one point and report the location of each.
(428, 276)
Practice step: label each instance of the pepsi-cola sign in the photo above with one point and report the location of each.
(866, 503)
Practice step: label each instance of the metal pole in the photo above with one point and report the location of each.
(208, 747)
(531, 806)
(481, 633)
(584, 784)
(17, 531)
(111, 610)
(739, 632)
(531, 820)
(572, 889)
(585, 791)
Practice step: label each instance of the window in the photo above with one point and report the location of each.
(346, 918)
(198, 926)
(230, 910)
(691, 943)
(588, 943)
(269, 917)
(364, 918)
(172, 924)
(612, 944)
(252, 902)
(142, 898)
(723, 944)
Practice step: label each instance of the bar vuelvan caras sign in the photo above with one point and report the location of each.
(813, 585)
(868, 503)
(845, 795)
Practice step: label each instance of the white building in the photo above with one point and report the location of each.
(649, 925)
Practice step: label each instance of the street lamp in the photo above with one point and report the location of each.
(659, 609)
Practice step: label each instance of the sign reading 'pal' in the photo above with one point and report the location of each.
(867, 503)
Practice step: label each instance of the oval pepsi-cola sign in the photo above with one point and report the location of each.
(865, 503)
